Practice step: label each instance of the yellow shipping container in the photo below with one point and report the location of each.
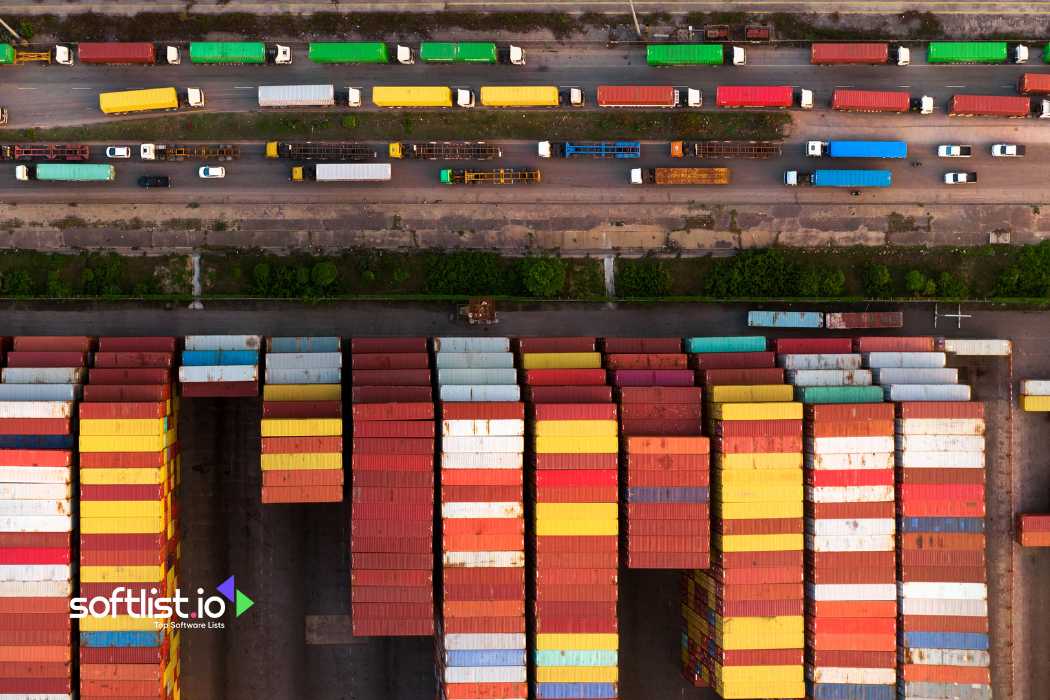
(757, 411)
(751, 393)
(742, 690)
(760, 632)
(577, 642)
(123, 526)
(123, 477)
(1035, 403)
(411, 96)
(519, 96)
(120, 623)
(123, 443)
(301, 427)
(740, 477)
(302, 392)
(580, 511)
(756, 493)
(315, 460)
(576, 428)
(760, 543)
(131, 426)
(121, 509)
(561, 360)
(577, 674)
(755, 511)
(577, 445)
(739, 675)
(571, 528)
(122, 574)
(138, 100)
(759, 460)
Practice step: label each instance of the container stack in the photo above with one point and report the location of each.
(1035, 395)
(909, 369)
(392, 513)
(37, 399)
(1033, 530)
(128, 519)
(744, 618)
(942, 583)
(302, 439)
(481, 634)
(220, 366)
(576, 546)
(826, 370)
(666, 461)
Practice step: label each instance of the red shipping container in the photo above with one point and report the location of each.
(575, 461)
(124, 460)
(854, 428)
(760, 608)
(945, 475)
(589, 477)
(840, 54)
(122, 492)
(302, 409)
(776, 96)
(655, 543)
(925, 673)
(852, 642)
(122, 557)
(813, 346)
(562, 377)
(660, 426)
(576, 543)
(302, 445)
(851, 576)
(944, 623)
(576, 577)
(126, 672)
(667, 479)
(134, 359)
(388, 560)
(669, 511)
(388, 345)
(129, 376)
(399, 511)
(388, 394)
(137, 344)
(861, 509)
(482, 576)
(650, 361)
(393, 628)
(394, 429)
(46, 359)
(484, 691)
(758, 657)
(390, 377)
(849, 477)
(13, 637)
(576, 494)
(722, 377)
(954, 574)
(853, 608)
(508, 410)
(44, 540)
(30, 669)
(133, 410)
(851, 560)
(667, 528)
(870, 101)
(568, 394)
(393, 478)
(378, 494)
(758, 428)
(52, 343)
(660, 395)
(1034, 84)
(124, 655)
(117, 52)
(989, 106)
(484, 625)
(668, 445)
(948, 558)
(759, 526)
(853, 659)
(127, 393)
(393, 411)
(573, 411)
(632, 411)
(556, 344)
(399, 462)
(483, 526)
(942, 509)
(404, 360)
(580, 560)
(479, 608)
(764, 591)
(1033, 522)
(219, 390)
(121, 542)
(637, 96)
(39, 605)
(479, 494)
(850, 412)
(773, 443)
(481, 591)
(400, 543)
(35, 458)
(578, 625)
(404, 611)
(35, 686)
(33, 556)
(35, 426)
(391, 578)
(392, 446)
(732, 360)
(763, 576)
(642, 345)
(939, 492)
(933, 540)
(482, 477)
(670, 463)
(894, 343)
(668, 560)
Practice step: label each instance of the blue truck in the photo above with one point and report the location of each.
(605, 149)
(839, 178)
(857, 149)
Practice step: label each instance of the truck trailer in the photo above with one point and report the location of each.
(769, 96)
(496, 176)
(975, 52)
(69, 152)
(342, 172)
(238, 52)
(994, 106)
(725, 149)
(530, 96)
(283, 96)
(679, 176)
(853, 179)
(148, 100)
(661, 96)
(141, 53)
(469, 52)
(350, 52)
(566, 149)
(420, 96)
(871, 54)
(60, 54)
(857, 149)
(66, 172)
(319, 150)
(445, 150)
(173, 152)
(694, 55)
(880, 101)
(1034, 84)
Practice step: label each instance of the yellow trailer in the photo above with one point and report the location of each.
(138, 100)
(412, 96)
(519, 96)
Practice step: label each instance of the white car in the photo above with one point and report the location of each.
(210, 172)
(1008, 150)
(118, 151)
(960, 178)
(953, 150)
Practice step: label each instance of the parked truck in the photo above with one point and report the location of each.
(774, 96)
(238, 52)
(342, 172)
(420, 96)
(975, 52)
(469, 52)
(178, 152)
(1034, 84)
(694, 55)
(530, 96)
(679, 176)
(66, 172)
(497, 176)
(874, 54)
(880, 101)
(60, 54)
(661, 96)
(319, 150)
(857, 149)
(3, 116)
(69, 152)
(347, 52)
(725, 149)
(605, 149)
(445, 150)
(149, 100)
(853, 179)
(126, 53)
(996, 106)
(283, 96)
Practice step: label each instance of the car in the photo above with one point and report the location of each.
(956, 178)
(155, 181)
(954, 150)
(118, 151)
(1008, 150)
(210, 172)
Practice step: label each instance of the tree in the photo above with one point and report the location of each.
(809, 279)
(878, 282)
(952, 286)
(647, 277)
(833, 283)
(542, 277)
(261, 279)
(324, 274)
(919, 285)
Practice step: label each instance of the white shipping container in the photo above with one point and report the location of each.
(482, 509)
(849, 494)
(464, 428)
(459, 344)
(856, 676)
(913, 459)
(44, 375)
(35, 507)
(35, 491)
(296, 95)
(326, 375)
(940, 426)
(36, 409)
(36, 589)
(947, 657)
(820, 361)
(941, 443)
(35, 572)
(922, 589)
(35, 475)
(944, 606)
(1035, 387)
(475, 392)
(850, 460)
(914, 690)
(468, 642)
(222, 342)
(878, 360)
(849, 445)
(917, 375)
(852, 543)
(477, 376)
(488, 460)
(478, 560)
(849, 527)
(502, 443)
(218, 373)
(851, 591)
(36, 523)
(473, 360)
(978, 346)
(485, 674)
(926, 392)
(829, 377)
(304, 360)
(39, 392)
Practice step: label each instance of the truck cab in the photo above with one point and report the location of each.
(572, 96)
(922, 105)
(63, 55)
(544, 149)
(903, 55)
(464, 97)
(1044, 109)
(1019, 53)
(738, 56)
(3, 116)
(637, 176)
(794, 178)
(816, 149)
(148, 151)
(282, 55)
(404, 55)
(689, 97)
(22, 173)
(194, 97)
(805, 99)
(516, 55)
(172, 56)
(353, 97)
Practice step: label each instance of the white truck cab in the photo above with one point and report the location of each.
(636, 176)
(791, 178)
(816, 149)
(924, 105)
(22, 173)
(148, 151)
(739, 56)
(1044, 109)
(404, 55)
(693, 98)
(574, 95)
(171, 55)
(805, 99)
(517, 55)
(194, 97)
(903, 56)
(1020, 54)
(63, 55)
(543, 149)
(283, 54)
(353, 97)
(464, 97)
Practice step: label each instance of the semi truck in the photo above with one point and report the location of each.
(496, 176)
(662, 96)
(445, 150)
(530, 96)
(1034, 84)
(420, 96)
(3, 116)
(975, 52)
(319, 150)
(345, 52)
(694, 55)
(854, 179)
(880, 101)
(60, 54)
(872, 54)
(614, 149)
(995, 106)
(126, 53)
(469, 52)
(725, 149)
(283, 96)
(238, 52)
(69, 152)
(342, 172)
(774, 96)
(679, 176)
(857, 149)
(66, 172)
(178, 152)
(149, 100)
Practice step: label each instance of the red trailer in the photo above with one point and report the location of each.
(664, 96)
(117, 52)
(864, 319)
(779, 96)
(870, 101)
(1034, 84)
(843, 54)
(989, 106)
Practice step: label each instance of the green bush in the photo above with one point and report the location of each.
(763, 273)
(468, 273)
(919, 285)
(324, 274)
(261, 279)
(647, 277)
(542, 277)
(1029, 276)
(952, 286)
(878, 282)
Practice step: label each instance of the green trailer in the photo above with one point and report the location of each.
(66, 172)
(458, 52)
(7, 54)
(1046, 54)
(227, 52)
(686, 54)
(349, 52)
(967, 52)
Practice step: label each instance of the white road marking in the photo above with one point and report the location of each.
(955, 86)
(80, 88)
(904, 86)
(27, 88)
(243, 87)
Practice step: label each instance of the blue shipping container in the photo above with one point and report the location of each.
(576, 691)
(785, 319)
(852, 178)
(39, 392)
(578, 657)
(669, 494)
(486, 657)
(850, 691)
(867, 149)
(734, 343)
(37, 442)
(973, 526)
(302, 344)
(946, 640)
(121, 639)
(209, 358)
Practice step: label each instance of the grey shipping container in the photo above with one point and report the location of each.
(477, 376)
(473, 360)
(303, 360)
(222, 342)
(472, 344)
(917, 375)
(927, 392)
(296, 95)
(315, 375)
(474, 392)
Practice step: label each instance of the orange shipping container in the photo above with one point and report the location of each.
(921, 673)
(667, 445)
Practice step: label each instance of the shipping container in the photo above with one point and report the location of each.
(870, 101)
(785, 319)
(967, 52)
(684, 54)
(1034, 84)
(775, 96)
(142, 53)
(852, 53)
(988, 106)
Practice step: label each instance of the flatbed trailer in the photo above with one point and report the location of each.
(497, 176)
(604, 149)
(445, 150)
(679, 176)
(319, 150)
(726, 149)
(68, 152)
(179, 152)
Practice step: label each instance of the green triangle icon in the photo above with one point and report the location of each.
(243, 603)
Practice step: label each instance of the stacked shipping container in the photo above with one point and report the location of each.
(220, 366)
(665, 460)
(36, 457)
(128, 519)
(1033, 530)
(302, 423)
(481, 636)
(1035, 395)
(575, 490)
(392, 513)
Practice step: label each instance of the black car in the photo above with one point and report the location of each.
(155, 181)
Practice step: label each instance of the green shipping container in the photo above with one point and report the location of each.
(684, 54)
(7, 54)
(839, 394)
(734, 343)
(349, 52)
(227, 52)
(458, 52)
(1046, 54)
(75, 172)
(966, 52)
